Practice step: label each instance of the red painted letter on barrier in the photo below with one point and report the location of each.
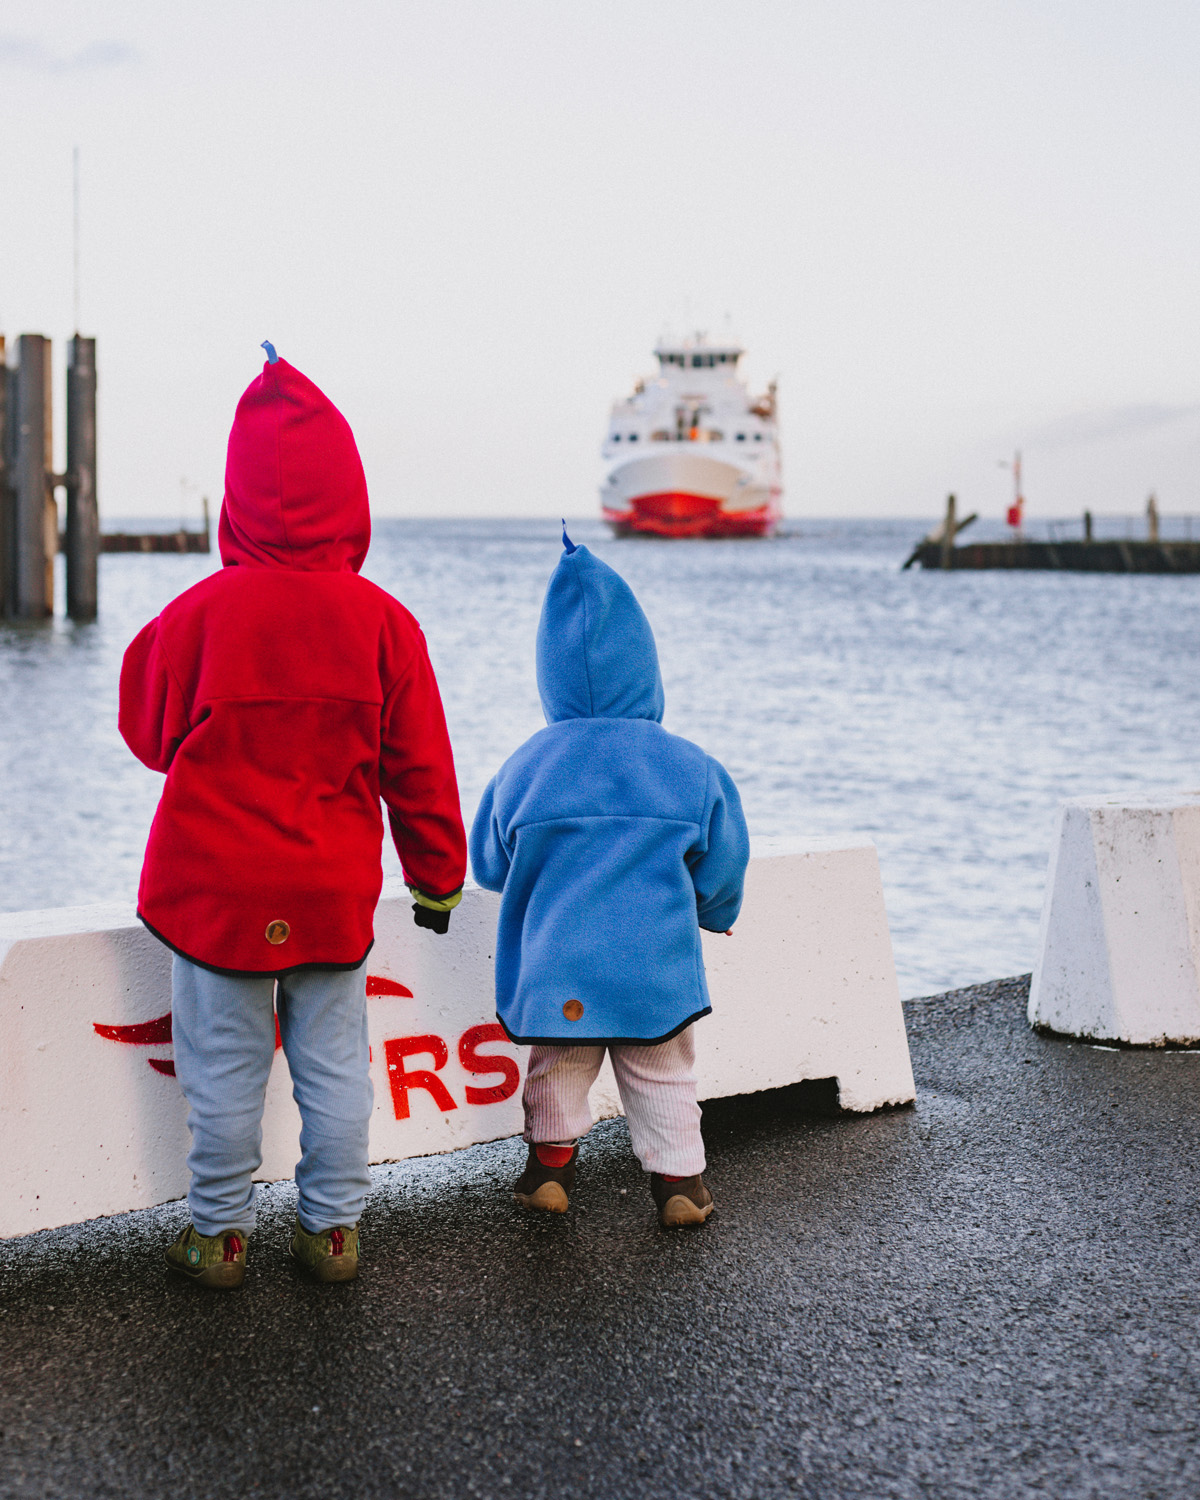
(482, 1062)
(380, 984)
(395, 1050)
(140, 1034)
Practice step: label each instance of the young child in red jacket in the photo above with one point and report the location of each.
(283, 697)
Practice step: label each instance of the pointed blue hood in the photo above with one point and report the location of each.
(596, 657)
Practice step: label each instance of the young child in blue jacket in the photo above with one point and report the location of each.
(613, 843)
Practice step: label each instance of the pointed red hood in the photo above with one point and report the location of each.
(295, 492)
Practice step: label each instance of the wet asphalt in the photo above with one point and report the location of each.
(994, 1293)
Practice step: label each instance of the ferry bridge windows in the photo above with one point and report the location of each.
(689, 428)
(698, 360)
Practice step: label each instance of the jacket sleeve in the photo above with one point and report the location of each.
(490, 857)
(721, 853)
(419, 788)
(152, 716)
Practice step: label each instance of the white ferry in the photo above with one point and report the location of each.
(690, 453)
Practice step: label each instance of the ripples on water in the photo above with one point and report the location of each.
(945, 715)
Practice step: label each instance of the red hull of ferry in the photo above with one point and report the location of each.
(678, 514)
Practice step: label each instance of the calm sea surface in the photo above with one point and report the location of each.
(945, 715)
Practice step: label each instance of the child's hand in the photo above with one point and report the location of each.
(729, 932)
(435, 921)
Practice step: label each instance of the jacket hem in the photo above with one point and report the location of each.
(575, 1040)
(252, 973)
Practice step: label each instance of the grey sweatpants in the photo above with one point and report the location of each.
(224, 1034)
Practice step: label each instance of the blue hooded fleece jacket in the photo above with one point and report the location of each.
(612, 841)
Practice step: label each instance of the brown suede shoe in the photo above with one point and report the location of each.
(331, 1255)
(545, 1188)
(681, 1203)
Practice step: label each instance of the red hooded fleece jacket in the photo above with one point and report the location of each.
(283, 696)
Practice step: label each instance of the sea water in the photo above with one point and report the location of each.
(945, 715)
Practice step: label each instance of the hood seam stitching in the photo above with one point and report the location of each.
(287, 541)
(587, 672)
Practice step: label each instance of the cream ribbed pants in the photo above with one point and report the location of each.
(658, 1094)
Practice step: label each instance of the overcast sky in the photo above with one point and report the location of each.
(948, 227)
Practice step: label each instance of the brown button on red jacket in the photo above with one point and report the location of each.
(283, 697)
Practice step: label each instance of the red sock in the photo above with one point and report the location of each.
(554, 1156)
(666, 1177)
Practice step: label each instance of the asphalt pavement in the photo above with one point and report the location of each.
(992, 1294)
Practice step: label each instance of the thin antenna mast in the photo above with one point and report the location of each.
(75, 162)
(1016, 511)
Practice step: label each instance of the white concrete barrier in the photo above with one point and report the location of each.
(92, 1120)
(1119, 951)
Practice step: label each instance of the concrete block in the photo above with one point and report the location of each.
(1119, 950)
(93, 1121)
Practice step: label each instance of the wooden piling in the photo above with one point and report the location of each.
(6, 496)
(35, 513)
(949, 530)
(939, 542)
(83, 516)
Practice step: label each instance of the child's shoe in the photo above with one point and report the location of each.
(681, 1200)
(331, 1255)
(213, 1260)
(546, 1188)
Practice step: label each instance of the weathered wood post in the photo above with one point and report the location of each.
(35, 524)
(83, 516)
(949, 529)
(6, 496)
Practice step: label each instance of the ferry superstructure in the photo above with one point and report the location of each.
(690, 452)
